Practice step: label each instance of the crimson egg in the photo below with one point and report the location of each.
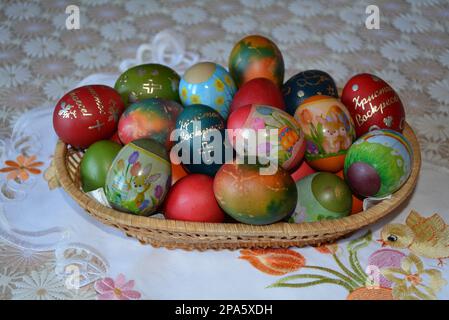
(373, 104)
(87, 114)
(192, 199)
(258, 91)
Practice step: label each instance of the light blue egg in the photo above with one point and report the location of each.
(210, 84)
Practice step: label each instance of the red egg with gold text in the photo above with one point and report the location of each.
(87, 114)
(373, 104)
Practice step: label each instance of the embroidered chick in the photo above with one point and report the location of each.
(427, 237)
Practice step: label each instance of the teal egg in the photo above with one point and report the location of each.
(321, 196)
(201, 146)
(210, 84)
(139, 177)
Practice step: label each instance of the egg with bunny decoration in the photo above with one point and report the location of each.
(139, 177)
(328, 130)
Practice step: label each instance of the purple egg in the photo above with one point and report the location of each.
(363, 179)
(386, 258)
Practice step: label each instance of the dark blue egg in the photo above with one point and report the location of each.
(306, 84)
(203, 138)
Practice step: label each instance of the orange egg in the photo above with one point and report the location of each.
(177, 172)
(357, 203)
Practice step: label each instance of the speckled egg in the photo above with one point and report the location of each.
(148, 81)
(139, 177)
(249, 197)
(210, 84)
(201, 136)
(378, 163)
(283, 137)
(321, 196)
(328, 129)
(150, 118)
(305, 85)
(256, 57)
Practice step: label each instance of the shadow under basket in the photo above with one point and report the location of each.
(202, 236)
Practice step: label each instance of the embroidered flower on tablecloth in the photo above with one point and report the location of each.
(342, 42)
(92, 58)
(257, 3)
(22, 10)
(189, 15)
(399, 51)
(290, 33)
(327, 249)
(41, 47)
(142, 7)
(217, 50)
(20, 169)
(239, 24)
(433, 126)
(14, 75)
(440, 91)
(107, 13)
(5, 34)
(117, 31)
(43, 285)
(118, 289)
(305, 8)
(412, 23)
(275, 262)
(412, 281)
(23, 259)
(56, 88)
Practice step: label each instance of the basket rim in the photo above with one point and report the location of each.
(280, 229)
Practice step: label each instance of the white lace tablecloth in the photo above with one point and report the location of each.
(40, 60)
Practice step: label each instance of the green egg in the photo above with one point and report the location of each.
(96, 162)
(321, 196)
(148, 81)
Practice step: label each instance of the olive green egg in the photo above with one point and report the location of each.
(96, 162)
(148, 81)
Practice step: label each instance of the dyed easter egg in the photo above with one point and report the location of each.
(139, 177)
(96, 162)
(328, 130)
(210, 84)
(303, 171)
(177, 172)
(253, 198)
(200, 206)
(373, 104)
(148, 81)
(378, 163)
(150, 118)
(357, 202)
(256, 57)
(281, 138)
(307, 84)
(258, 91)
(87, 114)
(200, 146)
(321, 196)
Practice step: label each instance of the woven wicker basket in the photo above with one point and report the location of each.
(202, 236)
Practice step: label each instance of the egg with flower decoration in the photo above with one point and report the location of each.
(145, 81)
(139, 177)
(373, 104)
(305, 85)
(256, 56)
(87, 114)
(200, 147)
(250, 195)
(328, 130)
(210, 84)
(321, 196)
(267, 132)
(378, 163)
(150, 118)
